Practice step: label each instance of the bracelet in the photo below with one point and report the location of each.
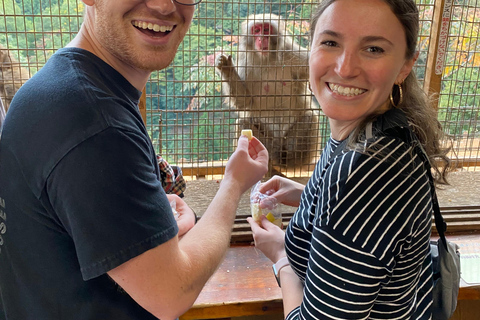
(283, 262)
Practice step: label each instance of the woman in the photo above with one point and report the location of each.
(358, 245)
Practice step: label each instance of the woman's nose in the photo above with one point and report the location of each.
(348, 65)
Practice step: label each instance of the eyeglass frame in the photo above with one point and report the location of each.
(187, 4)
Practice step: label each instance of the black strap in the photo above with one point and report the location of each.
(440, 223)
(406, 135)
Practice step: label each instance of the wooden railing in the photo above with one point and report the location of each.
(458, 219)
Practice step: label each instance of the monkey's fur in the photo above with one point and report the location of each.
(12, 76)
(269, 91)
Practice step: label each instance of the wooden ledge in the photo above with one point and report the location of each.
(458, 219)
(243, 285)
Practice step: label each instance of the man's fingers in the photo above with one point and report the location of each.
(243, 143)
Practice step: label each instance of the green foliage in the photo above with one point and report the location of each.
(459, 101)
(38, 28)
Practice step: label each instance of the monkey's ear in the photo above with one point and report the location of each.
(4, 57)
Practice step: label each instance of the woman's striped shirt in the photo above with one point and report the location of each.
(360, 238)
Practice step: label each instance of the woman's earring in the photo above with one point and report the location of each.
(309, 87)
(401, 95)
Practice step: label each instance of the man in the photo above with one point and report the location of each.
(86, 229)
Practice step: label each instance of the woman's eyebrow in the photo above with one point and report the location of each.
(331, 33)
(364, 39)
(376, 38)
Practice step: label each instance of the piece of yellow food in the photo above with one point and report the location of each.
(257, 213)
(270, 217)
(248, 133)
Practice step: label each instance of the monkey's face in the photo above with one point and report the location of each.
(264, 37)
(354, 62)
(261, 33)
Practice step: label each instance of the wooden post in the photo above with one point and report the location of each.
(437, 49)
(142, 105)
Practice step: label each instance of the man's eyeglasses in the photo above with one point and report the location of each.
(188, 2)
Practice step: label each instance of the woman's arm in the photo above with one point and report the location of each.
(284, 190)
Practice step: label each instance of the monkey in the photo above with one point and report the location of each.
(12, 76)
(268, 88)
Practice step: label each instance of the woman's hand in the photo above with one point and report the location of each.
(284, 191)
(269, 239)
(186, 216)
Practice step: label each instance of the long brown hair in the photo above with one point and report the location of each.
(416, 104)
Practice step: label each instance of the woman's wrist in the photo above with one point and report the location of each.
(278, 266)
(280, 254)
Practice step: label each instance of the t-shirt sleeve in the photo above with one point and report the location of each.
(107, 196)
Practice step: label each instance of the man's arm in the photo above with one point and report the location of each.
(166, 280)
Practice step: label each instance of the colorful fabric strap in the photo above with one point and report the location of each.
(172, 178)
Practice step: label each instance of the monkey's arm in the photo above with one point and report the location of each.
(298, 58)
(234, 86)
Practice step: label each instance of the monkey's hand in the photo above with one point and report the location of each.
(224, 63)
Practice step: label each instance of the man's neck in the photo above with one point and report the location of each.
(83, 40)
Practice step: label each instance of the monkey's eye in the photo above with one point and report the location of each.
(257, 30)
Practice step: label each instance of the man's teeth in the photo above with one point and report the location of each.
(346, 91)
(152, 26)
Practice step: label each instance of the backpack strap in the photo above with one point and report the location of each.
(440, 223)
(406, 135)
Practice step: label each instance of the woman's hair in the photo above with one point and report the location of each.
(417, 106)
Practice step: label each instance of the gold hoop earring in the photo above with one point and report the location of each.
(401, 95)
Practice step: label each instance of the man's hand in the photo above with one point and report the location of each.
(248, 164)
(186, 216)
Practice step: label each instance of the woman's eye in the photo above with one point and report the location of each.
(375, 50)
(328, 43)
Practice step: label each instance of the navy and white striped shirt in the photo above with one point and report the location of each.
(360, 238)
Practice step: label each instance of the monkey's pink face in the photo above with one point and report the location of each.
(357, 54)
(262, 33)
(141, 34)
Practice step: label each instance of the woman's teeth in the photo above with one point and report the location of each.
(345, 91)
(152, 26)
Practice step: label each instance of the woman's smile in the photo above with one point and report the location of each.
(346, 91)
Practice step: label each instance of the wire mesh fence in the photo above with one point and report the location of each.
(194, 121)
(459, 100)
